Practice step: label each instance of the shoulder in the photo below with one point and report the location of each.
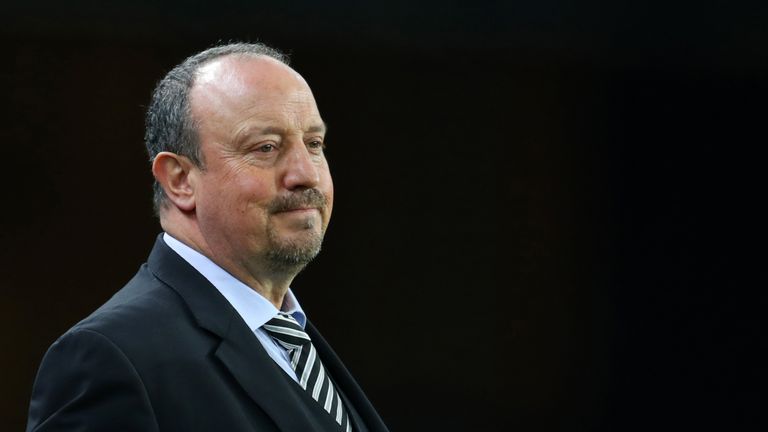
(139, 304)
(145, 317)
(68, 392)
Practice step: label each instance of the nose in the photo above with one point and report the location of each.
(300, 171)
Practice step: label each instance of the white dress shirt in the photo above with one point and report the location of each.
(255, 309)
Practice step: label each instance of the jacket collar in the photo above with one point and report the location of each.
(239, 351)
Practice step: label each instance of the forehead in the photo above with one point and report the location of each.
(237, 89)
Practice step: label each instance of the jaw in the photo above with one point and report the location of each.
(306, 234)
(294, 242)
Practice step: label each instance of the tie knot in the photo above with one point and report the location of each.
(310, 373)
(287, 331)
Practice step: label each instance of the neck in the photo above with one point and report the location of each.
(271, 282)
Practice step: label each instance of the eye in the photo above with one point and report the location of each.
(266, 148)
(316, 144)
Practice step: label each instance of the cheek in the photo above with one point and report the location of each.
(232, 196)
(329, 194)
(249, 193)
(328, 191)
(326, 181)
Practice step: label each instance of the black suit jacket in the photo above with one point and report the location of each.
(169, 353)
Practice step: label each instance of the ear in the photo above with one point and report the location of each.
(172, 171)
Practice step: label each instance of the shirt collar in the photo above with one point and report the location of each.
(255, 309)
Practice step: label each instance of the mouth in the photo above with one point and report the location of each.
(299, 210)
(305, 202)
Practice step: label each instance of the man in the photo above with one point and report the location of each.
(208, 335)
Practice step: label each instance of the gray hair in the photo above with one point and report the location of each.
(169, 123)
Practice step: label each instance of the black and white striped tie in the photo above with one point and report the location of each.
(307, 365)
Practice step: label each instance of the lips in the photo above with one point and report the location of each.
(300, 209)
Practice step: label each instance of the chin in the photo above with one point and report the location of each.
(291, 258)
(297, 249)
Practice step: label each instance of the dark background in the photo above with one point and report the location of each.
(548, 214)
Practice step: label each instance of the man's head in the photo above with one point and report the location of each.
(169, 124)
(237, 144)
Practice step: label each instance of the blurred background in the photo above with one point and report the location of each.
(568, 195)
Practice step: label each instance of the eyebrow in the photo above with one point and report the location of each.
(242, 134)
(322, 127)
(271, 130)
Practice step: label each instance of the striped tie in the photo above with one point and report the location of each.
(307, 365)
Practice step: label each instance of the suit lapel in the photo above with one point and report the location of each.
(366, 415)
(239, 351)
(269, 386)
